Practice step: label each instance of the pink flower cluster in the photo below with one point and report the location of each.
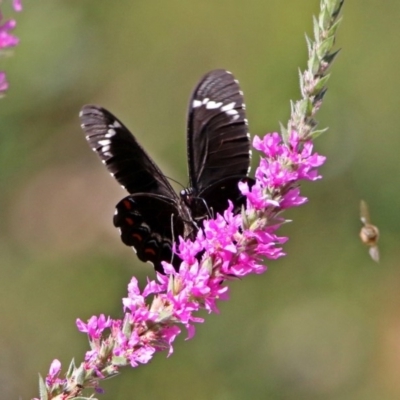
(7, 40)
(231, 245)
(282, 166)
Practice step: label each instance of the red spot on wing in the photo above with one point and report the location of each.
(127, 204)
(137, 236)
(150, 251)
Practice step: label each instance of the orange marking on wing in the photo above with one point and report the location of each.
(127, 204)
(150, 251)
(137, 237)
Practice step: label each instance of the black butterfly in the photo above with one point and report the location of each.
(218, 146)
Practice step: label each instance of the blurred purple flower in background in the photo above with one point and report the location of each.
(17, 5)
(7, 40)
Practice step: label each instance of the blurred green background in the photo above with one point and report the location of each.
(323, 322)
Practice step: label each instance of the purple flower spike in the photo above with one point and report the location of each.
(229, 246)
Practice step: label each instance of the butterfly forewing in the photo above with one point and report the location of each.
(121, 153)
(218, 139)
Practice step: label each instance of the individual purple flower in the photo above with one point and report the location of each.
(95, 326)
(141, 356)
(270, 144)
(153, 287)
(17, 4)
(52, 378)
(3, 82)
(292, 198)
(266, 242)
(257, 197)
(135, 298)
(303, 157)
(6, 38)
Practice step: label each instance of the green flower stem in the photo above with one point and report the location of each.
(313, 80)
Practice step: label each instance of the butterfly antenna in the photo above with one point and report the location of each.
(173, 180)
(209, 210)
(173, 237)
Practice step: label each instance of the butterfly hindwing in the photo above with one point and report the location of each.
(149, 225)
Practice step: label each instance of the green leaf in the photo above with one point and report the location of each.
(324, 19)
(292, 107)
(71, 369)
(85, 398)
(332, 30)
(127, 328)
(325, 46)
(314, 64)
(316, 28)
(329, 58)
(303, 106)
(320, 84)
(119, 361)
(339, 4)
(330, 6)
(284, 133)
(309, 45)
(315, 134)
(301, 79)
(80, 375)
(110, 371)
(310, 107)
(44, 395)
(319, 96)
